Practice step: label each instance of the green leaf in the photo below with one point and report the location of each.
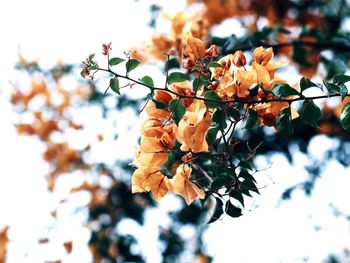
(215, 64)
(246, 175)
(345, 117)
(232, 210)
(251, 120)
(236, 194)
(218, 210)
(343, 90)
(331, 88)
(132, 64)
(220, 119)
(177, 77)
(310, 113)
(212, 95)
(253, 90)
(114, 84)
(147, 80)
(218, 183)
(249, 185)
(199, 83)
(284, 90)
(115, 61)
(177, 109)
(306, 83)
(211, 135)
(91, 57)
(341, 78)
(245, 164)
(284, 123)
(234, 113)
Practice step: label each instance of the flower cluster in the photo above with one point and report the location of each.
(232, 80)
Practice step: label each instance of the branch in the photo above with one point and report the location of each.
(318, 45)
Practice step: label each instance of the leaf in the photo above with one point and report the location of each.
(245, 164)
(199, 83)
(284, 90)
(343, 90)
(147, 80)
(251, 120)
(232, 210)
(234, 113)
(341, 78)
(177, 109)
(177, 77)
(331, 88)
(284, 123)
(220, 119)
(91, 57)
(115, 61)
(345, 117)
(212, 95)
(236, 194)
(211, 135)
(306, 83)
(249, 185)
(253, 90)
(310, 113)
(246, 175)
(218, 210)
(114, 83)
(218, 183)
(215, 64)
(132, 64)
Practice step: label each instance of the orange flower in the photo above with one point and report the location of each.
(238, 59)
(194, 49)
(218, 72)
(193, 127)
(263, 56)
(147, 179)
(181, 185)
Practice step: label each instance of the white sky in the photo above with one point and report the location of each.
(70, 30)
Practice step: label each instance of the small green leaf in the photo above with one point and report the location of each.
(212, 95)
(114, 83)
(246, 175)
(177, 109)
(132, 64)
(310, 113)
(236, 194)
(245, 164)
(284, 90)
(177, 77)
(218, 210)
(232, 210)
(147, 80)
(343, 90)
(218, 183)
(251, 120)
(306, 83)
(249, 185)
(234, 113)
(253, 90)
(211, 135)
(331, 88)
(220, 119)
(199, 83)
(91, 57)
(345, 117)
(341, 78)
(284, 123)
(215, 64)
(115, 61)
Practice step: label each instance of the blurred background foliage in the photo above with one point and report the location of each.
(310, 35)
